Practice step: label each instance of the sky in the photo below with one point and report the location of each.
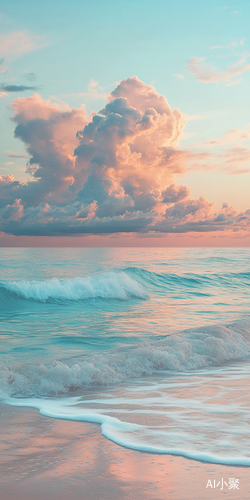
(124, 123)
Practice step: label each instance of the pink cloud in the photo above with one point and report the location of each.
(14, 211)
(94, 91)
(17, 43)
(115, 172)
(232, 45)
(15, 155)
(129, 151)
(230, 152)
(6, 179)
(50, 135)
(209, 74)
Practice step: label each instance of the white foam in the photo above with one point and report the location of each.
(184, 352)
(110, 285)
(125, 434)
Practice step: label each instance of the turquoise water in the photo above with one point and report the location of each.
(153, 344)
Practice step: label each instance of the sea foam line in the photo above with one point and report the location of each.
(117, 431)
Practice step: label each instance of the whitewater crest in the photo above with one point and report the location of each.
(118, 284)
(110, 285)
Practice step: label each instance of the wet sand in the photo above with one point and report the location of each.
(43, 458)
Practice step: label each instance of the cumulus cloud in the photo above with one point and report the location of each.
(127, 152)
(114, 172)
(174, 193)
(14, 211)
(50, 137)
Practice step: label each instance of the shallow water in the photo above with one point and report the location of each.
(153, 344)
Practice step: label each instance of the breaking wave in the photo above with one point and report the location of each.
(184, 352)
(119, 284)
(110, 285)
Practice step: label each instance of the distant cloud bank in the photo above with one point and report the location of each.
(115, 172)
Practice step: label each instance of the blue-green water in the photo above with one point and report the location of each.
(154, 344)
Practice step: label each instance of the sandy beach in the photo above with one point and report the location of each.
(46, 458)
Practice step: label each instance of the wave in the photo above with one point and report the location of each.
(110, 285)
(120, 284)
(184, 352)
(188, 280)
(165, 280)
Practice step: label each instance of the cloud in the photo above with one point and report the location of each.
(6, 178)
(114, 172)
(235, 135)
(30, 76)
(236, 82)
(14, 155)
(174, 193)
(230, 46)
(230, 152)
(16, 88)
(237, 159)
(179, 75)
(209, 74)
(128, 150)
(18, 43)
(50, 136)
(14, 211)
(94, 91)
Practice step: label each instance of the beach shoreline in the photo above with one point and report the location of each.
(47, 458)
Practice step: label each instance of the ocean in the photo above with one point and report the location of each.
(152, 344)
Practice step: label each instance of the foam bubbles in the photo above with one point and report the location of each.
(185, 352)
(166, 419)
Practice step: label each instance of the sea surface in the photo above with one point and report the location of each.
(152, 344)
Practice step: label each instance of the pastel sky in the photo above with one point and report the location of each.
(125, 123)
